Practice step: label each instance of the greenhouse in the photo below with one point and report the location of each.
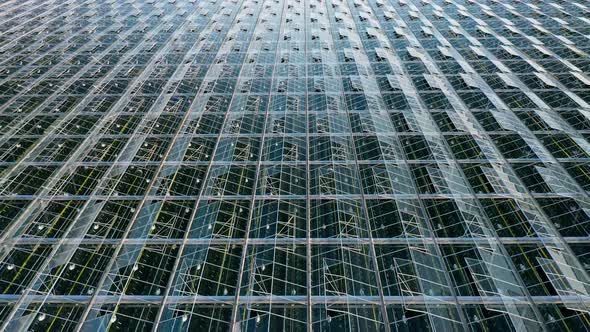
(295, 165)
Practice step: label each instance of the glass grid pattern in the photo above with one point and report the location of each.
(292, 165)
